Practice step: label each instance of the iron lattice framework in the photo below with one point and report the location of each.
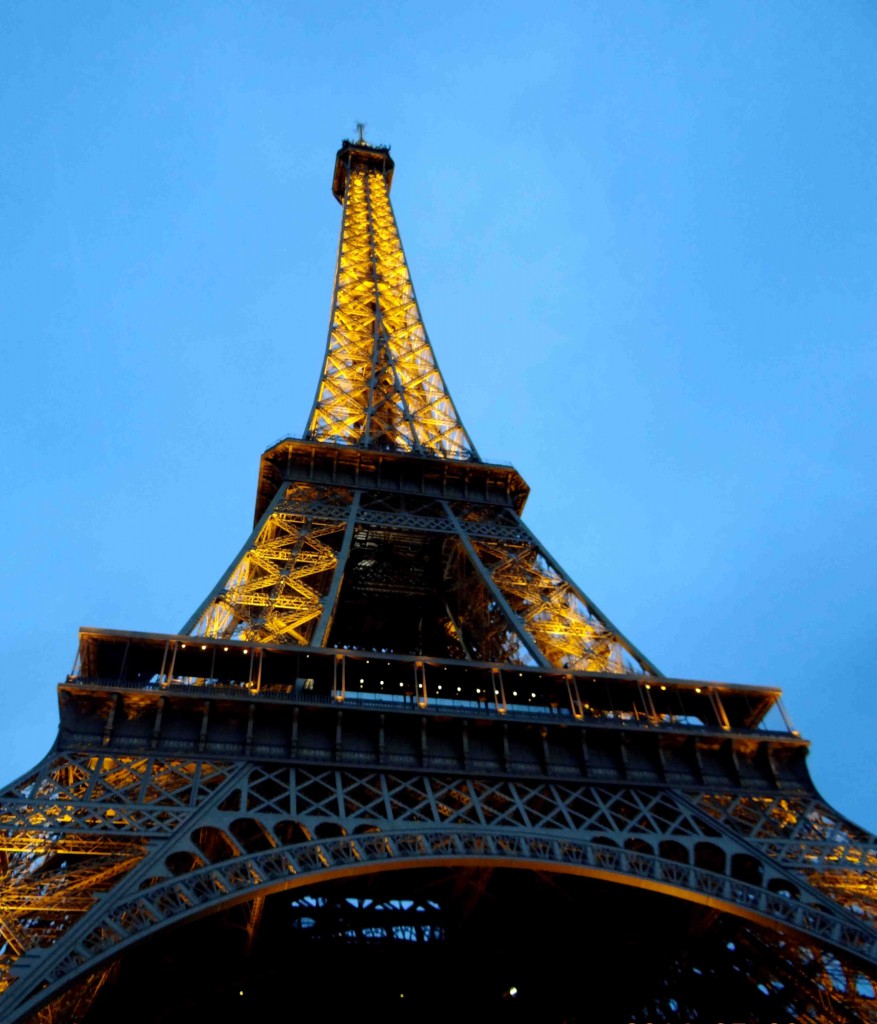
(381, 386)
(393, 675)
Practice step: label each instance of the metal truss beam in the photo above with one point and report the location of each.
(234, 846)
(380, 386)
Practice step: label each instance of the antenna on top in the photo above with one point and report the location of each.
(360, 127)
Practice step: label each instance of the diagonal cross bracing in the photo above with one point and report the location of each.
(380, 386)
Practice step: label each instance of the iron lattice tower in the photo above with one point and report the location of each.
(397, 739)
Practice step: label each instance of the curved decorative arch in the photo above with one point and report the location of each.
(134, 916)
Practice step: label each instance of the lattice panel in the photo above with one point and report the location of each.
(43, 892)
(275, 592)
(800, 831)
(551, 611)
(73, 795)
(380, 385)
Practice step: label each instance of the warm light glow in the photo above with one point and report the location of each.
(275, 593)
(380, 383)
(551, 610)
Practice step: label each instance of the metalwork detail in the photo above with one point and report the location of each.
(404, 512)
(74, 1003)
(804, 832)
(286, 867)
(380, 386)
(505, 599)
(790, 980)
(276, 590)
(393, 673)
(266, 826)
(549, 613)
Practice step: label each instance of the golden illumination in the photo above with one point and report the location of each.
(551, 611)
(380, 386)
(275, 592)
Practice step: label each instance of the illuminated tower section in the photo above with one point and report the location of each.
(395, 738)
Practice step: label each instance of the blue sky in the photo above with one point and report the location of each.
(643, 239)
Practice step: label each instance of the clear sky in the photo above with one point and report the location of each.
(644, 240)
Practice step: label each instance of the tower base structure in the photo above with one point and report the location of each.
(397, 749)
(339, 813)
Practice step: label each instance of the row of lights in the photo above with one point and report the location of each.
(204, 648)
(697, 689)
(368, 662)
(439, 687)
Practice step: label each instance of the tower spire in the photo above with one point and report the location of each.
(380, 387)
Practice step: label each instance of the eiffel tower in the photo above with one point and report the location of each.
(397, 759)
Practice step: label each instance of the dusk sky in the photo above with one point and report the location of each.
(644, 240)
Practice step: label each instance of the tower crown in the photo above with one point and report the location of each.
(360, 156)
(380, 387)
